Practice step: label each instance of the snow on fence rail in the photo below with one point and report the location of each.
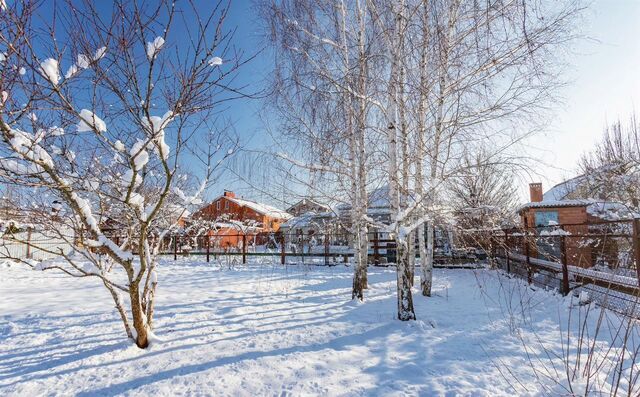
(33, 245)
(599, 258)
(618, 293)
(329, 248)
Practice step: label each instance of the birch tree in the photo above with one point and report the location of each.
(101, 109)
(485, 73)
(444, 78)
(322, 76)
(459, 75)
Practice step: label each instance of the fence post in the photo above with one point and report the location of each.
(208, 242)
(526, 253)
(326, 249)
(563, 260)
(244, 249)
(492, 251)
(29, 253)
(636, 246)
(506, 250)
(175, 247)
(376, 249)
(302, 246)
(282, 250)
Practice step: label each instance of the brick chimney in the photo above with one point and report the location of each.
(229, 193)
(535, 192)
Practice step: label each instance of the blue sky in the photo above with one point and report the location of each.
(604, 85)
(603, 77)
(244, 113)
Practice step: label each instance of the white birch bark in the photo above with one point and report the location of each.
(403, 284)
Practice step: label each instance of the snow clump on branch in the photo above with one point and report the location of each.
(100, 52)
(49, 69)
(215, 61)
(89, 121)
(156, 126)
(83, 61)
(139, 155)
(153, 47)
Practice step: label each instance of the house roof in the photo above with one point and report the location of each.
(563, 189)
(305, 201)
(308, 219)
(378, 199)
(261, 208)
(556, 203)
(606, 210)
(557, 196)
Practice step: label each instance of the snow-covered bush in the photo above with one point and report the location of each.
(99, 112)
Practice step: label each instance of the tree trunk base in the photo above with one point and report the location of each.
(359, 285)
(426, 289)
(142, 343)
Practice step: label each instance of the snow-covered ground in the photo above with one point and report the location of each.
(278, 331)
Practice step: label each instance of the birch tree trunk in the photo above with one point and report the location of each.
(403, 274)
(424, 90)
(427, 271)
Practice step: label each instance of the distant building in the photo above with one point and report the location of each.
(580, 216)
(235, 217)
(307, 205)
(378, 207)
(230, 207)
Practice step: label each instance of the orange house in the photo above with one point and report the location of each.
(237, 217)
(579, 217)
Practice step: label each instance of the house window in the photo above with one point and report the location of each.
(226, 205)
(546, 218)
(218, 205)
(547, 247)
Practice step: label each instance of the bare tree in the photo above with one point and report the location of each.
(443, 78)
(105, 138)
(478, 70)
(486, 195)
(612, 169)
(323, 67)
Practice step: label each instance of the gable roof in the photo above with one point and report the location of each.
(562, 195)
(263, 209)
(558, 195)
(563, 189)
(556, 204)
(305, 201)
(308, 219)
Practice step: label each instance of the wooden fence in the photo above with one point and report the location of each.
(554, 256)
(36, 245)
(331, 248)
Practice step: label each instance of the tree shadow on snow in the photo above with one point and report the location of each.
(340, 343)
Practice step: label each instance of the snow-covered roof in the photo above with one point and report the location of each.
(306, 201)
(563, 189)
(557, 196)
(556, 203)
(606, 210)
(378, 201)
(380, 197)
(308, 219)
(261, 208)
